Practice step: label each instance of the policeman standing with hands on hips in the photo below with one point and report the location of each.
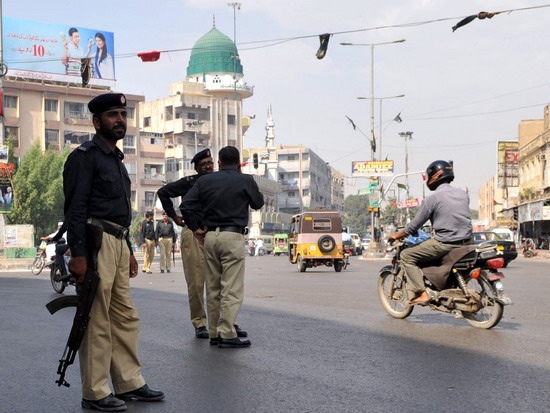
(97, 191)
(166, 236)
(216, 210)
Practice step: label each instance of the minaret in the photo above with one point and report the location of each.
(273, 161)
(269, 129)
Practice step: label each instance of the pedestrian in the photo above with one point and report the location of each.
(148, 241)
(258, 245)
(96, 186)
(166, 237)
(216, 210)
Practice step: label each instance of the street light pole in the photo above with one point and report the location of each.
(374, 244)
(236, 6)
(380, 125)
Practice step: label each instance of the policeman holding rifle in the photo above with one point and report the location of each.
(97, 192)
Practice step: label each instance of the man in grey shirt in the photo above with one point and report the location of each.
(449, 212)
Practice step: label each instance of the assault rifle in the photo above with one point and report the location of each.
(82, 301)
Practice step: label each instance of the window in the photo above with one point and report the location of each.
(149, 198)
(172, 165)
(10, 102)
(169, 112)
(292, 157)
(129, 142)
(322, 224)
(50, 105)
(191, 115)
(12, 134)
(130, 113)
(147, 121)
(230, 119)
(52, 139)
(154, 171)
(76, 138)
(305, 192)
(76, 110)
(291, 194)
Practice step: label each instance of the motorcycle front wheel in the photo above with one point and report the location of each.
(491, 310)
(38, 264)
(393, 296)
(55, 276)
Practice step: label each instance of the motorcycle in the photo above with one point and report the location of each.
(347, 252)
(41, 259)
(60, 277)
(528, 247)
(466, 282)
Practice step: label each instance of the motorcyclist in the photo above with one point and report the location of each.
(61, 248)
(449, 212)
(258, 244)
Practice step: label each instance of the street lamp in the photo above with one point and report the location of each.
(380, 125)
(235, 6)
(374, 244)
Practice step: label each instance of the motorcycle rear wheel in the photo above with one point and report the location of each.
(491, 311)
(55, 275)
(393, 296)
(38, 264)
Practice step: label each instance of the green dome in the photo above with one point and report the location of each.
(213, 53)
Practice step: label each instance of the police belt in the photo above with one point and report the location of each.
(229, 228)
(117, 231)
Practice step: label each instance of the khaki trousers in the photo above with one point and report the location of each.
(194, 267)
(148, 254)
(110, 344)
(426, 251)
(224, 253)
(165, 253)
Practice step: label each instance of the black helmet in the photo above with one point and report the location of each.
(439, 172)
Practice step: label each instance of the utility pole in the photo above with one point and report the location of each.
(408, 137)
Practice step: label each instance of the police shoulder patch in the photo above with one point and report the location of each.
(85, 146)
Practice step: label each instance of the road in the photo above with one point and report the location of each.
(320, 343)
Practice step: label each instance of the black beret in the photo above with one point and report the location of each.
(107, 101)
(149, 214)
(205, 153)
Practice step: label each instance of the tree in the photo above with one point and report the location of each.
(38, 190)
(357, 216)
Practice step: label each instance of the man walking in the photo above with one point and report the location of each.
(166, 236)
(219, 203)
(96, 186)
(148, 241)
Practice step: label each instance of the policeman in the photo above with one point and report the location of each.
(166, 236)
(216, 210)
(192, 253)
(97, 191)
(148, 241)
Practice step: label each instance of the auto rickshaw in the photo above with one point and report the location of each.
(280, 244)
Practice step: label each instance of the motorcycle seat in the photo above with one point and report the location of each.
(438, 271)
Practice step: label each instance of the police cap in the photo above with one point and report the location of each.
(107, 101)
(205, 153)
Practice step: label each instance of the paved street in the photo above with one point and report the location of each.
(320, 343)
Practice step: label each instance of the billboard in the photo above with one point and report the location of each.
(508, 164)
(46, 51)
(372, 168)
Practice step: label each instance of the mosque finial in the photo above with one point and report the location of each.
(213, 20)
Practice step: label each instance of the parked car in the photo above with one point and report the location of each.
(508, 248)
(365, 243)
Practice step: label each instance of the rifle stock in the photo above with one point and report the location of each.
(82, 301)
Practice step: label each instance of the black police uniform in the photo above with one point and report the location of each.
(97, 188)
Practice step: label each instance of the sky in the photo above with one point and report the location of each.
(464, 90)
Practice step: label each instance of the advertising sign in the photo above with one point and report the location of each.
(410, 203)
(372, 168)
(374, 195)
(508, 164)
(57, 52)
(6, 190)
